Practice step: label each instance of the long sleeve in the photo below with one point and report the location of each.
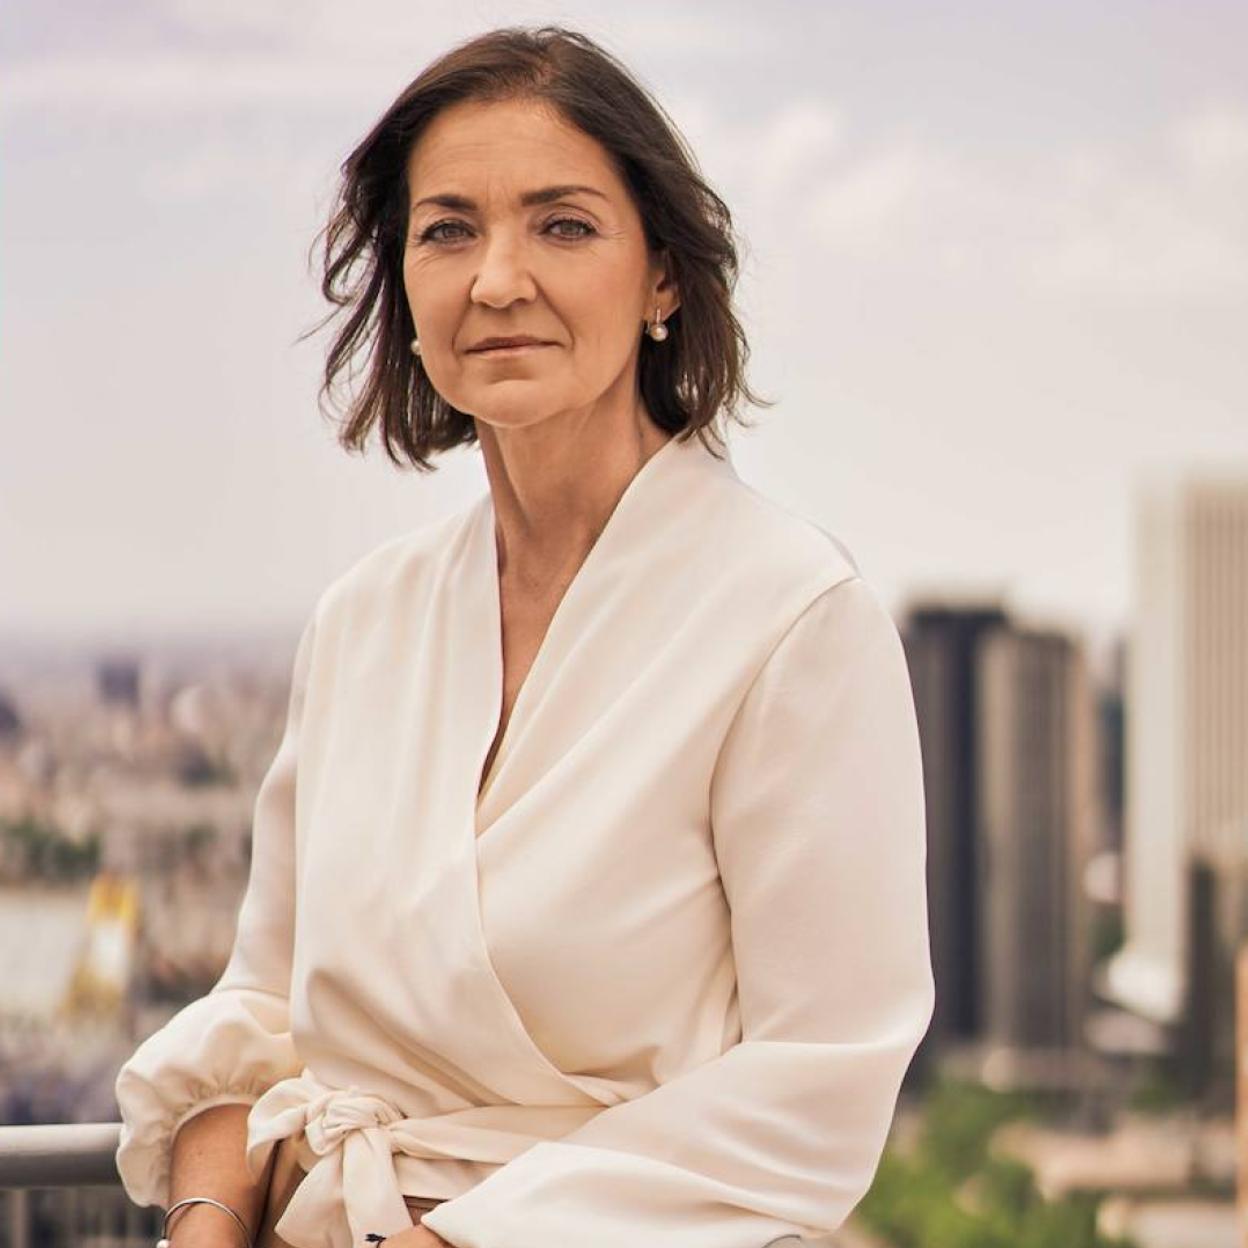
(818, 821)
(233, 1043)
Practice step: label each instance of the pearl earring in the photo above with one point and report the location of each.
(415, 344)
(658, 331)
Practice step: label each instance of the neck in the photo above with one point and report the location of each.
(556, 482)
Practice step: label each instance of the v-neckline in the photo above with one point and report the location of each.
(494, 632)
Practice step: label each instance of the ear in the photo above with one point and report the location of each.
(663, 289)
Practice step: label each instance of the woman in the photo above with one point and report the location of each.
(587, 898)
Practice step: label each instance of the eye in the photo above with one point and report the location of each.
(584, 225)
(431, 234)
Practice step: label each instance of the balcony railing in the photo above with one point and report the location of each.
(67, 1157)
(60, 1154)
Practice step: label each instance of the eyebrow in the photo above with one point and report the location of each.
(545, 195)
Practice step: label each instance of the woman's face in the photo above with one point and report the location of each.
(493, 250)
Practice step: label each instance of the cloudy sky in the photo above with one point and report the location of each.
(995, 273)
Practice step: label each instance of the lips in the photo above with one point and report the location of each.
(505, 344)
(501, 354)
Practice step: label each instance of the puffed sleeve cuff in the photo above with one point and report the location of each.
(229, 1047)
(606, 1198)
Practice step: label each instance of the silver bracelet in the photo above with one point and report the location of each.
(163, 1241)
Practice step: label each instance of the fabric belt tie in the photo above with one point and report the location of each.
(352, 1188)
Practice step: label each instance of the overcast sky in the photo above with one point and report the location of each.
(996, 268)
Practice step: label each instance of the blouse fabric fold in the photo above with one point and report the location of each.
(659, 982)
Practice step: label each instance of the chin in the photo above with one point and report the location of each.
(513, 411)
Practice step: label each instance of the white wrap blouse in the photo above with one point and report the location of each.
(658, 983)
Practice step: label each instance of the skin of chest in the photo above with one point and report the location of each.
(525, 618)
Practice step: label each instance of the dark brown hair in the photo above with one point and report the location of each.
(685, 382)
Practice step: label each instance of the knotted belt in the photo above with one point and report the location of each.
(351, 1188)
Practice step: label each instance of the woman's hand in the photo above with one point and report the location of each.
(417, 1237)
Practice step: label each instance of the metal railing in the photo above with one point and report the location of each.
(67, 1158)
(59, 1154)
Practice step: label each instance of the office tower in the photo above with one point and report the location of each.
(1039, 826)
(1186, 802)
(941, 641)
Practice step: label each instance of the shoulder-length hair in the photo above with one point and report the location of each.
(685, 382)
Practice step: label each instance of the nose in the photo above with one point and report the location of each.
(504, 274)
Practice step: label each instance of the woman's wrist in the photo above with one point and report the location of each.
(205, 1226)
